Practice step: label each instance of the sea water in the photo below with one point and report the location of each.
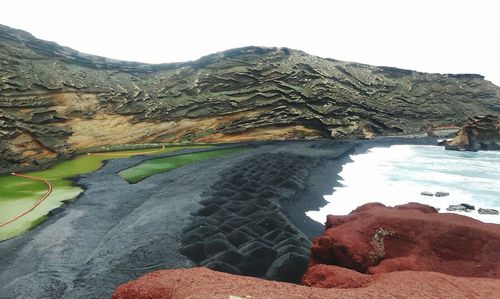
(398, 174)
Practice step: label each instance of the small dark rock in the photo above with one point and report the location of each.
(468, 206)
(441, 194)
(460, 207)
(456, 208)
(426, 193)
(487, 211)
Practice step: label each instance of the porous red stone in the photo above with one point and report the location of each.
(205, 283)
(375, 239)
(366, 254)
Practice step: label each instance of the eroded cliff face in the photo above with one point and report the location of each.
(478, 133)
(54, 100)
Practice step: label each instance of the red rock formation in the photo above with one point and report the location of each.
(478, 133)
(205, 283)
(375, 239)
(379, 241)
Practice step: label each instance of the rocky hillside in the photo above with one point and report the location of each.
(54, 100)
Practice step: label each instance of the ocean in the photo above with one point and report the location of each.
(398, 174)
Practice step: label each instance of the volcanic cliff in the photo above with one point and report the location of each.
(478, 133)
(54, 100)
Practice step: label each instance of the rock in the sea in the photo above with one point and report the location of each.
(468, 206)
(441, 194)
(455, 208)
(375, 239)
(487, 211)
(204, 283)
(426, 193)
(478, 133)
(461, 207)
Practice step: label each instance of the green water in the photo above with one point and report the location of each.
(19, 194)
(154, 166)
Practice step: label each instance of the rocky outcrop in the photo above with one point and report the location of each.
(375, 239)
(478, 133)
(488, 211)
(376, 251)
(204, 283)
(461, 207)
(54, 100)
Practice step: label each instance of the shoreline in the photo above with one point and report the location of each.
(311, 199)
(400, 175)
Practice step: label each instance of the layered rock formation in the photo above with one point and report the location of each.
(204, 283)
(54, 100)
(375, 239)
(478, 133)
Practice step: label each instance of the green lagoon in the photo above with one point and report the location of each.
(19, 194)
(159, 165)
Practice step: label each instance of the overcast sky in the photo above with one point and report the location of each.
(452, 36)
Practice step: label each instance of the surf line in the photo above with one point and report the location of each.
(38, 202)
(127, 154)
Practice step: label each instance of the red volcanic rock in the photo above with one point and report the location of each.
(327, 276)
(205, 283)
(375, 239)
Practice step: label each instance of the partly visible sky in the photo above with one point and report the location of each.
(443, 36)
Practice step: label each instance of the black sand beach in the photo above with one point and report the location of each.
(114, 232)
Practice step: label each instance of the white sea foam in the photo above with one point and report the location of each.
(398, 174)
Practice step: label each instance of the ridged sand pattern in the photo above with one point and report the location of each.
(241, 228)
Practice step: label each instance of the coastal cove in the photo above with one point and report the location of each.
(398, 174)
(117, 231)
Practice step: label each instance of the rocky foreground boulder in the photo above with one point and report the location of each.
(55, 100)
(375, 239)
(478, 133)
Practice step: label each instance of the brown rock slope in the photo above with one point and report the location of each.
(54, 100)
(375, 239)
(478, 133)
(205, 283)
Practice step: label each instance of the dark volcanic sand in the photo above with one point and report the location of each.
(115, 232)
